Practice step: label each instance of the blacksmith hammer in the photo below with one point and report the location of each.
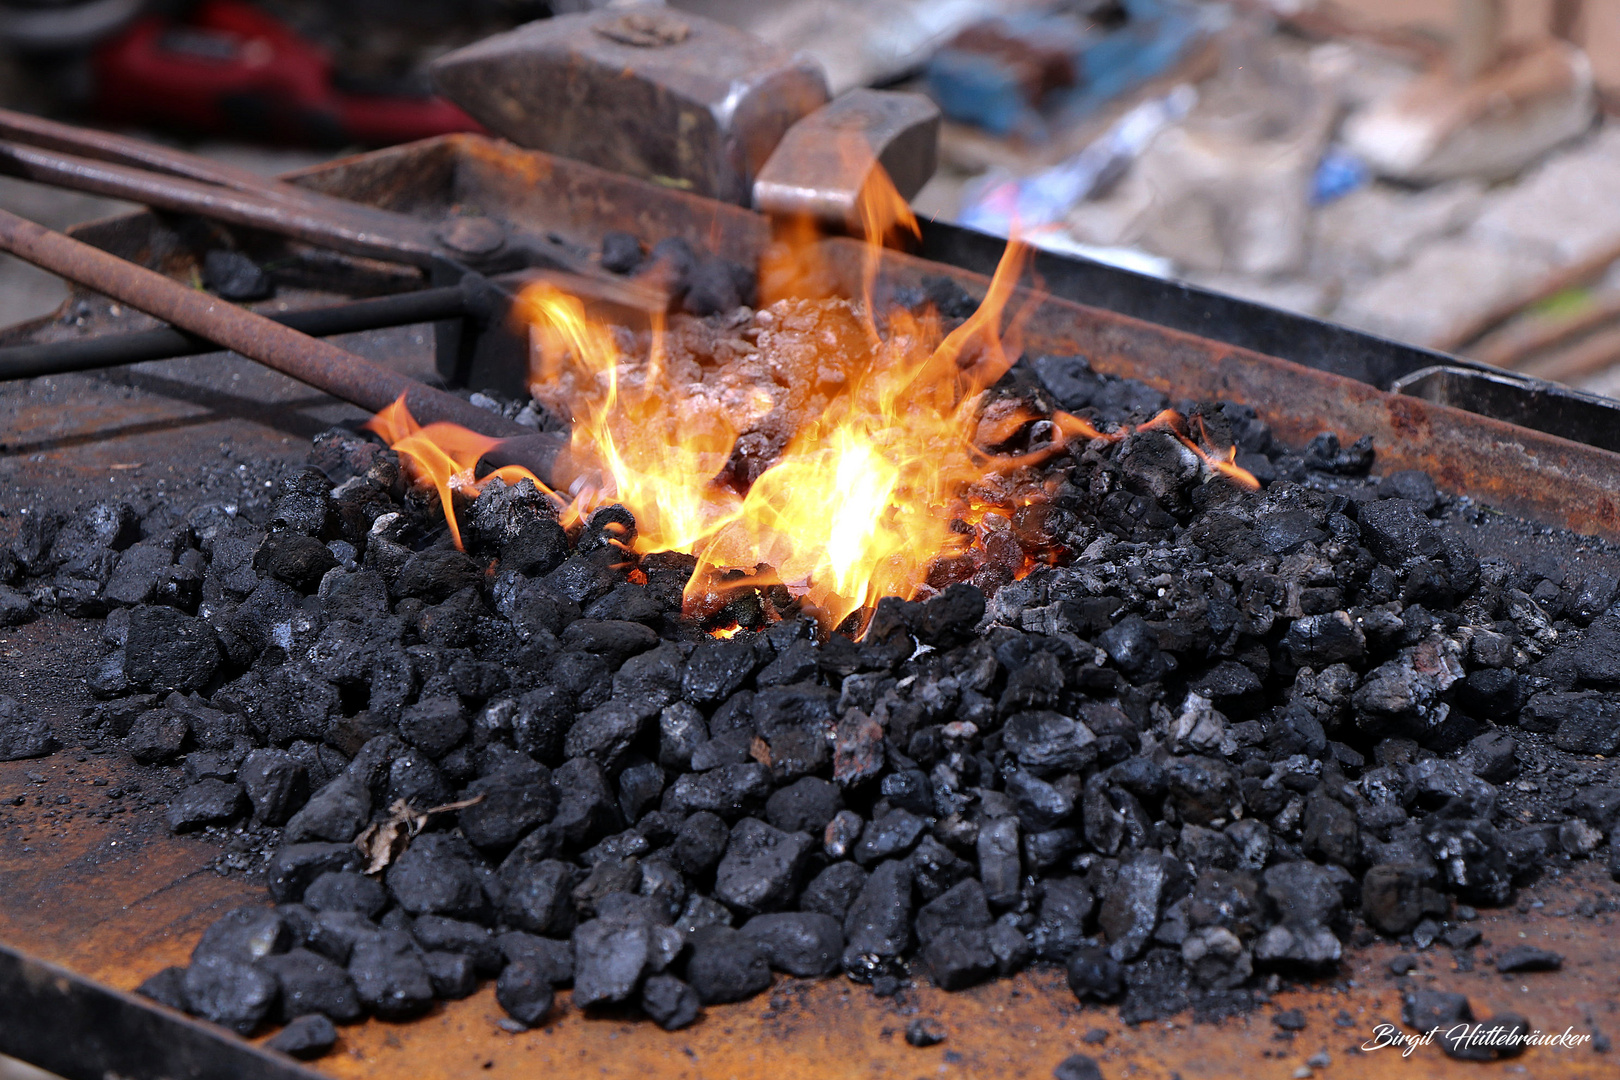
(694, 104)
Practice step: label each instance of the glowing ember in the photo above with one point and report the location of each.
(893, 488)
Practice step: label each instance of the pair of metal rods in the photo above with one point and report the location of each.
(275, 344)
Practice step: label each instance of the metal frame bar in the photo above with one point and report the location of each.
(57, 1021)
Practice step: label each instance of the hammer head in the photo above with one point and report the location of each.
(670, 97)
(828, 159)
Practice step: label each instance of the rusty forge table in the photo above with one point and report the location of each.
(96, 894)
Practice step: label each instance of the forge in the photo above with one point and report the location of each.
(883, 651)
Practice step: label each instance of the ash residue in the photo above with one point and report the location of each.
(1235, 734)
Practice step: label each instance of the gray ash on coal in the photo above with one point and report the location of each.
(1230, 736)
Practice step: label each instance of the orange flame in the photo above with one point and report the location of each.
(443, 455)
(888, 491)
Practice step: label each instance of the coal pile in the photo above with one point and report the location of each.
(1231, 735)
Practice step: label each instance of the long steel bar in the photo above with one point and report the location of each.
(137, 153)
(345, 227)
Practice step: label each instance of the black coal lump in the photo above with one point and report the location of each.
(244, 934)
(889, 836)
(640, 785)
(392, 981)
(681, 730)
(909, 790)
(806, 805)
(157, 736)
(229, 992)
(333, 933)
(552, 958)
(1425, 1010)
(798, 943)
(293, 866)
(1066, 904)
(586, 805)
(669, 263)
(669, 1002)
(295, 559)
(1010, 947)
(621, 252)
(762, 867)
(1094, 975)
(1078, 1067)
(609, 876)
(312, 983)
(1412, 485)
(207, 802)
(346, 891)
(435, 933)
(414, 778)
(1528, 958)
(435, 876)
(833, 890)
(963, 905)
(730, 791)
(436, 574)
(726, 965)
(524, 993)
(336, 813)
(167, 987)
(957, 957)
(23, 733)
(452, 974)
(925, 1031)
(717, 669)
(434, 724)
(607, 732)
(539, 897)
(511, 801)
(878, 923)
(276, 783)
(306, 1038)
(613, 953)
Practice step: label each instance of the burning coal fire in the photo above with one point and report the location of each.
(913, 476)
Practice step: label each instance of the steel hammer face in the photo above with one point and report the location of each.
(828, 159)
(674, 98)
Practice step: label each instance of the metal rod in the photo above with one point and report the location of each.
(309, 360)
(346, 227)
(164, 343)
(137, 153)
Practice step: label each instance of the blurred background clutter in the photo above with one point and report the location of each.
(1435, 171)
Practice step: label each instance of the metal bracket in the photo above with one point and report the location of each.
(1519, 399)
